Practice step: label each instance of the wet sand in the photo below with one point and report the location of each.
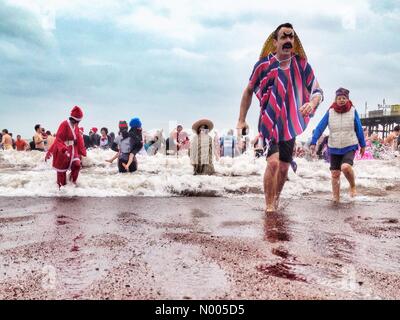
(198, 248)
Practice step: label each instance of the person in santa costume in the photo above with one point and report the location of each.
(68, 148)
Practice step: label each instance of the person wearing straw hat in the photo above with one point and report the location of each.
(289, 94)
(202, 148)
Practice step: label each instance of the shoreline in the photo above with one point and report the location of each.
(197, 248)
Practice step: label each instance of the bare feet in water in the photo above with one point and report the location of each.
(270, 209)
(335, 200)
(353, 192)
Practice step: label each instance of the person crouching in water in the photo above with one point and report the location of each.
(127, 145)
(345, 134)
(202, 148)
(68, 148)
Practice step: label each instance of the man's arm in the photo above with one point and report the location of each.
(114, 157)
(130, 160)
(244, 108)
(317, 95)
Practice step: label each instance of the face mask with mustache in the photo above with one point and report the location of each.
(287, 45)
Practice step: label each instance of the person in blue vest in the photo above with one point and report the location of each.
(345, 135)
(228, 145)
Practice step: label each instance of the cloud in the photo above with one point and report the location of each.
(178, 60)
(18, 24)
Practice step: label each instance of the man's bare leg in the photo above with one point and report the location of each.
(336, 185)
(349, 174)
(270, 181)
(282, 177)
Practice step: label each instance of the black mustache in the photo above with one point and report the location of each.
(287, 45)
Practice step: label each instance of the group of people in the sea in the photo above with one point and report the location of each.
(289, 95)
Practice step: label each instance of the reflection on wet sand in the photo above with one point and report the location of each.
(276, 232)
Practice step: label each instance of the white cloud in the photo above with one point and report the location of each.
(197, 50)
(182, 53)
(174, 25)
(349, 20)
(95, 62)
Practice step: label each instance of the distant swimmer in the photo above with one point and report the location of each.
(289, 94)
(21, 144)
(39, 139)
(391, 139)
(68, 148)
(6, 140)
(345, 134)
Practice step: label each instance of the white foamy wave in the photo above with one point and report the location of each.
(26, 174)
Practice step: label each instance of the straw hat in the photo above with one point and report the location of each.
(202, 122)
(269, 47)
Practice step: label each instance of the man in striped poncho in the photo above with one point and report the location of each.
(289, 94)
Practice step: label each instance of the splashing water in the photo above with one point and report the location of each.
(26, 174)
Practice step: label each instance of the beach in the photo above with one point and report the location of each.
(198, 248)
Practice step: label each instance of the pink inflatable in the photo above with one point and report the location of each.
(367, 154)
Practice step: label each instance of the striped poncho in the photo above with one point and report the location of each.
(281, 93)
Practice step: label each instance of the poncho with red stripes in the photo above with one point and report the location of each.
(281, 93)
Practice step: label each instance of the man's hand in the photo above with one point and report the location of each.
(240, 126)
(362, 152)
(306, 109)
(47, 157)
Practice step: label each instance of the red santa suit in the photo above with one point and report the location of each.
(67, 149)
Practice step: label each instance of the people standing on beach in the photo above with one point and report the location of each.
(38, 138)
(289, 94)
(6, 140)
(86, 138)
(13, 141)
(391, 139)
(202, 148)
(345, 134)
(128, 144)
(154, 142)
(136, 134)
(68, 148)
(21, 144)
(123, 146)
(229, 145)
(50, 139)
(94, 138)
(178, 140)
(105, 139)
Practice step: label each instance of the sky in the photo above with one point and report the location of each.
(180, 60)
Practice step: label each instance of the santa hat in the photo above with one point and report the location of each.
(94, 130)
(77, 113)
(123, 124)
